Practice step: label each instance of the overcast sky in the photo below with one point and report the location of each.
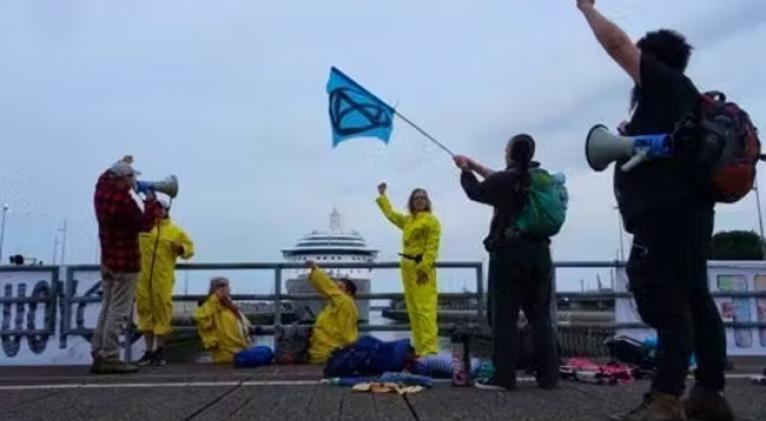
(229, 95)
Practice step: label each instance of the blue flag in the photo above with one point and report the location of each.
(355, 112)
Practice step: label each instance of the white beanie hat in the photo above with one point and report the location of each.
(123, 168)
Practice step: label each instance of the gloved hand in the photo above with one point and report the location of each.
(178, 249)
(462, 162)
(149, 195)
(421, 275)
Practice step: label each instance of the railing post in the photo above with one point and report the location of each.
(480, 292)
(277, 296)
(66, 308)
(53, 303)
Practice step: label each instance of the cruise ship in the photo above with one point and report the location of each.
(330, 247)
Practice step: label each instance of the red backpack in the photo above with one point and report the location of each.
(730, 147)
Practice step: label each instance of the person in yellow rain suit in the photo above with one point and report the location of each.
(421, 235)
(336, 324)
(160, 248)
(223, 328)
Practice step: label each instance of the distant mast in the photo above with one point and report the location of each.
(335, 224)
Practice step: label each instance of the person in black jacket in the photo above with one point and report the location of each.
(520, 269)
(671, 220)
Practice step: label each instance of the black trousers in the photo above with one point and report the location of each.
(520, 277)
(669, 280)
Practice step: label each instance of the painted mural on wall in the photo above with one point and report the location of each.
(40, 309)
(722, 277)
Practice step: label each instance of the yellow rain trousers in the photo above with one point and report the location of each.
(223, 332)
(154, 289)
(336, 324)
(420, 236)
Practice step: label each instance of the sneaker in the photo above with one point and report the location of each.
(146, 359)
(492, 384)
(705, 404)
(112, 367)
(655, 407)
(158, 359)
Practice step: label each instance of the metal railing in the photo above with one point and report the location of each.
(61, 298)
(70, 299)
(279, 296)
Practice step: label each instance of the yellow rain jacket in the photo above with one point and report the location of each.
(420, 236)
(154, 289)
(336, 324)
(223, 332)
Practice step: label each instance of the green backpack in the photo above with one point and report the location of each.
(546, 209)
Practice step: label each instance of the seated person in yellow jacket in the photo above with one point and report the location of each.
(336, 324)
(160, 248)
(221, 325)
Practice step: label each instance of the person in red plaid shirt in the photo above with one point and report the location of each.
(120, 220)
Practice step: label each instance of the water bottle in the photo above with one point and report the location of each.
(461, 360)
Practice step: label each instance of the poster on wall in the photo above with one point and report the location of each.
(722, 277)
(51, 348)
(759, 285)
(26, 316)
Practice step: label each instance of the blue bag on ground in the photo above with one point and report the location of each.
(369, 356)
(254, 357)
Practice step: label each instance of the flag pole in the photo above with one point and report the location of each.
(406, 120)
(424, 133)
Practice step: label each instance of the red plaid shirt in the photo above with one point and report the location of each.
(119, 222)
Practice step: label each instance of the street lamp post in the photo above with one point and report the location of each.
(55, 249)
(63, 242)
(2, 230)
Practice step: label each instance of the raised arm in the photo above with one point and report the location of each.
(614, 40)
(491, 191)
(395, 217)
(322, 283)
(480, 169)
(151, 214)
(468, 164)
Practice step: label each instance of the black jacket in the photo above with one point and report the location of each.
(506, 191)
